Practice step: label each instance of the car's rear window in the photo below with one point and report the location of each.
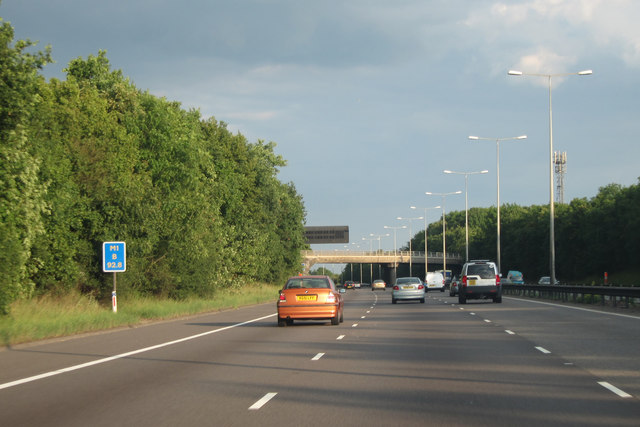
(485, 271)
(408, 280)
(306, 283)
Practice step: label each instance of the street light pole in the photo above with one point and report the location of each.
(410, 238)
(395, 248)
(426, 254)
(552, 243)
(379, 237)
(497, 140)
(466, 205)
(444, 227)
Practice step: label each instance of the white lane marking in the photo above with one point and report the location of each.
(354, 325)
(318, 356)
(577, 308)
(509, 332)
(368, 311)
(340, 337)
(473, 314)
(487, 320)
(614, 389)
(123, 355)
(260, 403)
(543, 350)
(363, 317)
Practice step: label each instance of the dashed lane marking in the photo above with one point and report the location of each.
(260, 403)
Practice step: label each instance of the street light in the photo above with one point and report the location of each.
(379, 237)
(370, 239)
(466, 205)
(410, 237)
(497, 140)
(395, 248)
(552, 243)
(426, 257)
(444, 233)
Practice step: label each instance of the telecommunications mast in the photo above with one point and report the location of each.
(560, 166)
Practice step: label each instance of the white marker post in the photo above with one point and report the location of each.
(114, 260)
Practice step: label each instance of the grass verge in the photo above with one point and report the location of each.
(51, 317)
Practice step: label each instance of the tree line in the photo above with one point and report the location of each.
(592, 236)
(92, 158)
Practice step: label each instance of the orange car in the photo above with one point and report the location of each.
(310, 298)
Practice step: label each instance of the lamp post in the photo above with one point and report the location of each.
(497, 140)
(370, 239)
(426, 256)
(379, 237)
(410, 238)
(466, 205)
(444, 227)
(552, 243)
(395, 248)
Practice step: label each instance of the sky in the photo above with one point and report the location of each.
(369, 101)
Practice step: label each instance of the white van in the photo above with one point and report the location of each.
(435, 281)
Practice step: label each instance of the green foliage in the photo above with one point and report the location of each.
(21, 193)
(93, 159)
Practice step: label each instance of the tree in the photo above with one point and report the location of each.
(21, 193)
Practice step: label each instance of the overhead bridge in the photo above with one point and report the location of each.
(435, 260)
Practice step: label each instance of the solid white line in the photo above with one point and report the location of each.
(614, 389)
(509, 332)
(318, 356)
(123, 355)
(544, 350)
(340, 337)
(577, 308)
(260, 403)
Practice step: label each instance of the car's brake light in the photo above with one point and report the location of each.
(396, 288)
(420, 287)
(283, 298)
(331, 298)
(464, 281)
(497, 280)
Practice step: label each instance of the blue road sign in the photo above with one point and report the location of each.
(114, 257)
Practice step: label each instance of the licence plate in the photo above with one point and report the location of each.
(407, 287)
(306, 297)
(472, 281)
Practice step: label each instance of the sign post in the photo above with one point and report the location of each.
(114, 260)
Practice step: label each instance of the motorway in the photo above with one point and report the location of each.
(521, 363)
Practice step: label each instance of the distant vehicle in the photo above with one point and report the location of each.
(453, 287)
(480, 280)
(310, 298)
(349, 284)
(515, 277)
(447, 276)
(408, 288)
(546, 280)
(434, 281)
(356, 285)
(379, 284)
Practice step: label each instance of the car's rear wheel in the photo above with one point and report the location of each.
(336, 319)
(282, 322)
(421, 300)
(393, 301)
(461, 299)
(497, 299)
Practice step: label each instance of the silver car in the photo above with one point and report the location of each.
(408, 288)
